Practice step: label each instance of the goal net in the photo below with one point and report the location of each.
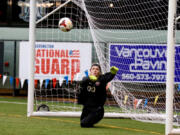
(128, 34)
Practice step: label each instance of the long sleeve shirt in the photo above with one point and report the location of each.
(93, 94)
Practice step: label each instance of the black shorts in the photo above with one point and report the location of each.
(91, 116)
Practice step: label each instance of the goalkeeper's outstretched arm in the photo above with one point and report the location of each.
(107, 77)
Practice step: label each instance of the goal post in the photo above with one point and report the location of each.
(32, 37)
(135, 36)
(170, 67)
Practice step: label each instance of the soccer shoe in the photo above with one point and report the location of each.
(114, 70)
(87, 125)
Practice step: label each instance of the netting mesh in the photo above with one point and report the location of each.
(129, 34)
(61, 94)
(133, 25)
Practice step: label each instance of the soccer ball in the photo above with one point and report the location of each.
(65, 24)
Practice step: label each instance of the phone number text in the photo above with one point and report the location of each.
(146, 77)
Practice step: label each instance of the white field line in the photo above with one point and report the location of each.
(13, 102)
(34, 104)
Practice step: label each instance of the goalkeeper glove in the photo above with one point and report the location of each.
(114, 70)
(93, 78)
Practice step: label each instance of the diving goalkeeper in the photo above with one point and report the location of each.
(93, 95)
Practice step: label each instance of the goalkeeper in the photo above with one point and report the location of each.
(93, 95)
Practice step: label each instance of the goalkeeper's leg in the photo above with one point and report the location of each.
(91, 116)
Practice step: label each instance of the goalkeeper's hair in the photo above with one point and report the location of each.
(96, 64)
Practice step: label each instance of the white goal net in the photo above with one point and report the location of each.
(128, 34)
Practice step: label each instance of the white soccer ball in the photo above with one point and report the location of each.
(65, 24)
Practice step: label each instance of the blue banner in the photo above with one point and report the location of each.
(142, 63)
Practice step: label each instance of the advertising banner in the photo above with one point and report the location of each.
(142, 62)
(56, 59)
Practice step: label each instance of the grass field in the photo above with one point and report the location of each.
(13, 121)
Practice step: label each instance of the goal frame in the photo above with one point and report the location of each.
(169, 79)
(170, 68)
(32, 26)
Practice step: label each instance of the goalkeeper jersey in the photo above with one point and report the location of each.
(93, 94)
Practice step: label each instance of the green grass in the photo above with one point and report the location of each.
(13, 121)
